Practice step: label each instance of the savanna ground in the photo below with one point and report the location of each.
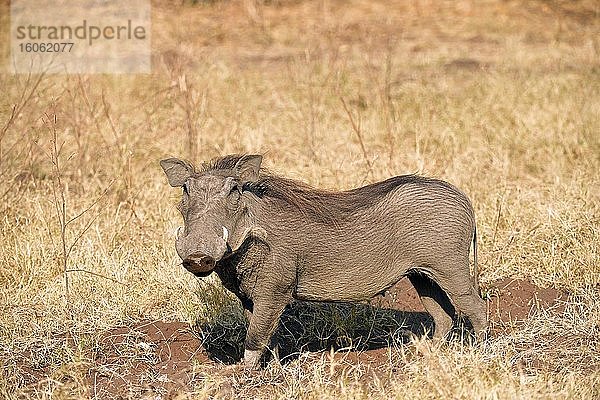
(501, 98)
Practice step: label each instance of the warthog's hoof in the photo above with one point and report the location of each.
(252, 360)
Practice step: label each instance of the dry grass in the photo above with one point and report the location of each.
(499, 97)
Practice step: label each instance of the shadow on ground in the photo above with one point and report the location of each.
(306, 326)
(386, 321)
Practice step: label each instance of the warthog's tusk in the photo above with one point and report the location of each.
(225, 234)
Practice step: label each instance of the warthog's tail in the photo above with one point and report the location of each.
(475, 265)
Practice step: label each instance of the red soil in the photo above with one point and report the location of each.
(146, 358)
(513, 300)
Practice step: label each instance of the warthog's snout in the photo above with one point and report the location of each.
(199, 264)
(200, 253)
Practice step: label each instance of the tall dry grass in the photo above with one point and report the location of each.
(500, 98)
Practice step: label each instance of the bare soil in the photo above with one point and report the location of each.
(513, 300)
(158, 358)
(147, 358)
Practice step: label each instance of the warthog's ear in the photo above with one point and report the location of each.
(247, 168)
(177, 171)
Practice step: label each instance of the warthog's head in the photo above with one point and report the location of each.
(212, 207)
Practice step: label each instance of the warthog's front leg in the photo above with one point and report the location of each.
(263, 322)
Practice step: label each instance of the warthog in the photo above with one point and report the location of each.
(271, 239)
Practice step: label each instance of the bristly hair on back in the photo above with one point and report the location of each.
(325, 206)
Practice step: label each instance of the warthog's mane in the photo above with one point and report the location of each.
(221, 163)
(326, 205)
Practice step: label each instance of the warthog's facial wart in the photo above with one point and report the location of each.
(211, 206)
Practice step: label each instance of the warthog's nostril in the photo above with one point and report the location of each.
(207, 262)
(199, 263)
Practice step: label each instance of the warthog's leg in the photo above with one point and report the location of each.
(252, 359)
(464, 297)
(274, 342)
(436, 303)
(473, 306)
(263, 322)
(248, 315)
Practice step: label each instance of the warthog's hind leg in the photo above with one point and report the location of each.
(474, 307)
(465, 298)
(436, 303)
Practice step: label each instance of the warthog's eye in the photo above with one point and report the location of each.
(233, 197)
(186, 189)
(230, 185)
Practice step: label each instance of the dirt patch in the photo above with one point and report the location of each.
(401, 296)
(149, 358)
(514, 300)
